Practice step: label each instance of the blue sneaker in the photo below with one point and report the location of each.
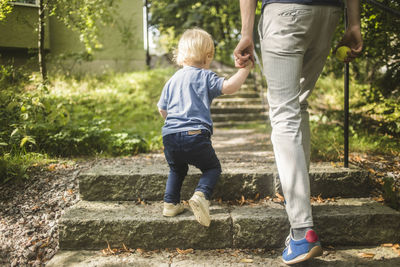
(303, 249)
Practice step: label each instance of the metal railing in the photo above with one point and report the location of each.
(346, 80)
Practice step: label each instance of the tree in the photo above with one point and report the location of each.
(41, 54)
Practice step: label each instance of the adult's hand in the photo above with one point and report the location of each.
(243, 52)
(352, 38)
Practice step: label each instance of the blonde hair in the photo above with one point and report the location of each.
(194, 46)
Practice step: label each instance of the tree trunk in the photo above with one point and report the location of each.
(41, 54)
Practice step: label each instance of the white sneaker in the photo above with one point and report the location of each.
(200, 207)
(171, 210)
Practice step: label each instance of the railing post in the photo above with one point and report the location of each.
(346, 104)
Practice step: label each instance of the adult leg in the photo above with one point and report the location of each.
(284, 33)
(289, 34)
(314, 59)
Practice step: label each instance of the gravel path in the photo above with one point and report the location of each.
(29, 213)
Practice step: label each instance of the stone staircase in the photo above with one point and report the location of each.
(121, 199)
(242, 108)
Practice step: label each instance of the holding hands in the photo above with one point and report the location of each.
(244, 52)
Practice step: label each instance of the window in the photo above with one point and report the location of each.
(25, 2)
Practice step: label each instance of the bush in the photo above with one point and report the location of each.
(112, 114)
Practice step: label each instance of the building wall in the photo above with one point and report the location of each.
(122, 41)
(18, 36)
(18, 29)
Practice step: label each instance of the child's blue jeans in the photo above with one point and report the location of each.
(194, 148)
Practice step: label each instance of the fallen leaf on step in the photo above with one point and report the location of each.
(366, 255)
(388, 245)
(242, 201)
(379, 199)
(280, 197)
(396, 246)
(257, 196)
(184, 251)
(125, 248)
(246, 260)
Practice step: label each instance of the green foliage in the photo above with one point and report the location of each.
(112, 114)
(368, 133)
(379, 67)
(219, 18)
(15, 166)
(5, 8)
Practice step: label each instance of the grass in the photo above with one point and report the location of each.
(114, 114)
(126, 101)
(366, 132)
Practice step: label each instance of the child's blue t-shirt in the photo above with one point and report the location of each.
(187, 97)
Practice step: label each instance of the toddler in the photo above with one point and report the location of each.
(185, 105)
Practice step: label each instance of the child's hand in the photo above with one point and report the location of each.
(249, 64)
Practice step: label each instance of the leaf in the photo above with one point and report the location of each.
(242, 200)
(387, 245)
(109, 248)
(28, 139)
(186, 251)
(16, 130)
(52, 167)
(366, 255)
(246, 260)
(280, 197)
(379, 199)
(257, 196)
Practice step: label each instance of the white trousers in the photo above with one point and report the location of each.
(295, 42)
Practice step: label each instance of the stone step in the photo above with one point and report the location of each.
(90, 225)
(235, 124)
(234, 102)
(130, 180)
(343, 256)
(245, 109)
(242, 94)
(258, 116)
